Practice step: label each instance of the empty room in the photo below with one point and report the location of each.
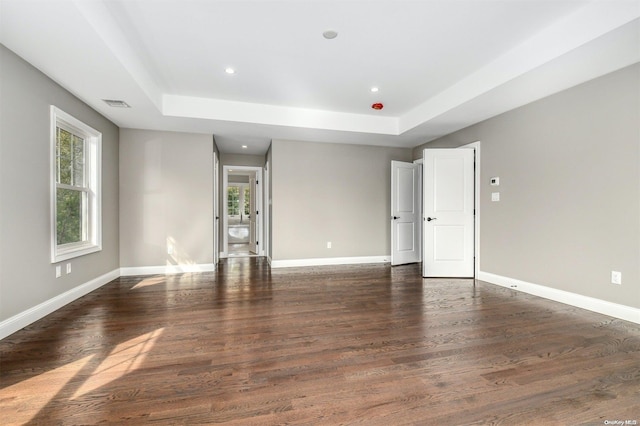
(320, 212)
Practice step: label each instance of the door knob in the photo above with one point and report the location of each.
(396, 217)
(429, 219)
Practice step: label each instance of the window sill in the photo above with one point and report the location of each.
(73, 251)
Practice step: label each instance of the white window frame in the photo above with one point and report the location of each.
(93, 185)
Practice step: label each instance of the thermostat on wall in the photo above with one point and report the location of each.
(495, 181)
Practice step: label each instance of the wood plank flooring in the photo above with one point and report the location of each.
(363, 344)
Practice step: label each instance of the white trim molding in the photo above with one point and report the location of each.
(611, 309)
(329, 261)
(31, 315)
(166, 269)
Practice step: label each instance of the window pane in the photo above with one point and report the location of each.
(64, 151)
(70, 205)
(247, 199)
(70, 164)
(233, 200)
(78, 160)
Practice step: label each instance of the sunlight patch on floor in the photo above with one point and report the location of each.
(125, 358)
(149, 282)
(20, 403)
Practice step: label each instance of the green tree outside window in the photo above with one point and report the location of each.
(71, 197)
(233, 200)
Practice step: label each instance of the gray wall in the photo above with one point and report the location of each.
(242, 160)
(166, 198)
(27, 276)
(238, 179)
(569, 168)
(328, 192)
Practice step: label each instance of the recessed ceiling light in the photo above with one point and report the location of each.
(374, 89)
(330, 34)
(116, 103)
(230, 70)
(244, 147)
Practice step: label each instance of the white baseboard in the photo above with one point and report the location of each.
(166, 269)
(615, 310)
(329, 261)
(31, 315)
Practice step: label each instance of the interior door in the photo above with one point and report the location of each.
(253, 216)
(405, 212)
(448, 213)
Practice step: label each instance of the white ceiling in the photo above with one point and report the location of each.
(440, 65)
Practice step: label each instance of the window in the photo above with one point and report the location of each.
(238, 200)
(233, 201)
(75, 194)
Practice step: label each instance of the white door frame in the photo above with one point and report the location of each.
(253, 217)
(265, 207)
(216, 209)
(476, 195)
(225, 216)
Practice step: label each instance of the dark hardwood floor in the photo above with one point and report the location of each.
(370, 345)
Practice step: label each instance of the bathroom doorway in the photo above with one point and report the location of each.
(239, 211)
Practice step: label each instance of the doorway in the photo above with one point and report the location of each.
(406, 212)
(242, 212)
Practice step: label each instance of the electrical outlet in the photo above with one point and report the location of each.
(328, 244)
(58, 271)
(68, 268)
(616, 277)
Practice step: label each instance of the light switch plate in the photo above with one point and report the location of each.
(495, 196)
(616, 277)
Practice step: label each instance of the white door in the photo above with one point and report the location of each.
(405, 212)
(448, 213)
(253, 216)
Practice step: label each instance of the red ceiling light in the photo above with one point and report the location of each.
(377, 106)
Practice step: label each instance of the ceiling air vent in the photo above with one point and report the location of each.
(116, 103)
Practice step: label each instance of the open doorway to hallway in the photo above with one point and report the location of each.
(242, 218)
